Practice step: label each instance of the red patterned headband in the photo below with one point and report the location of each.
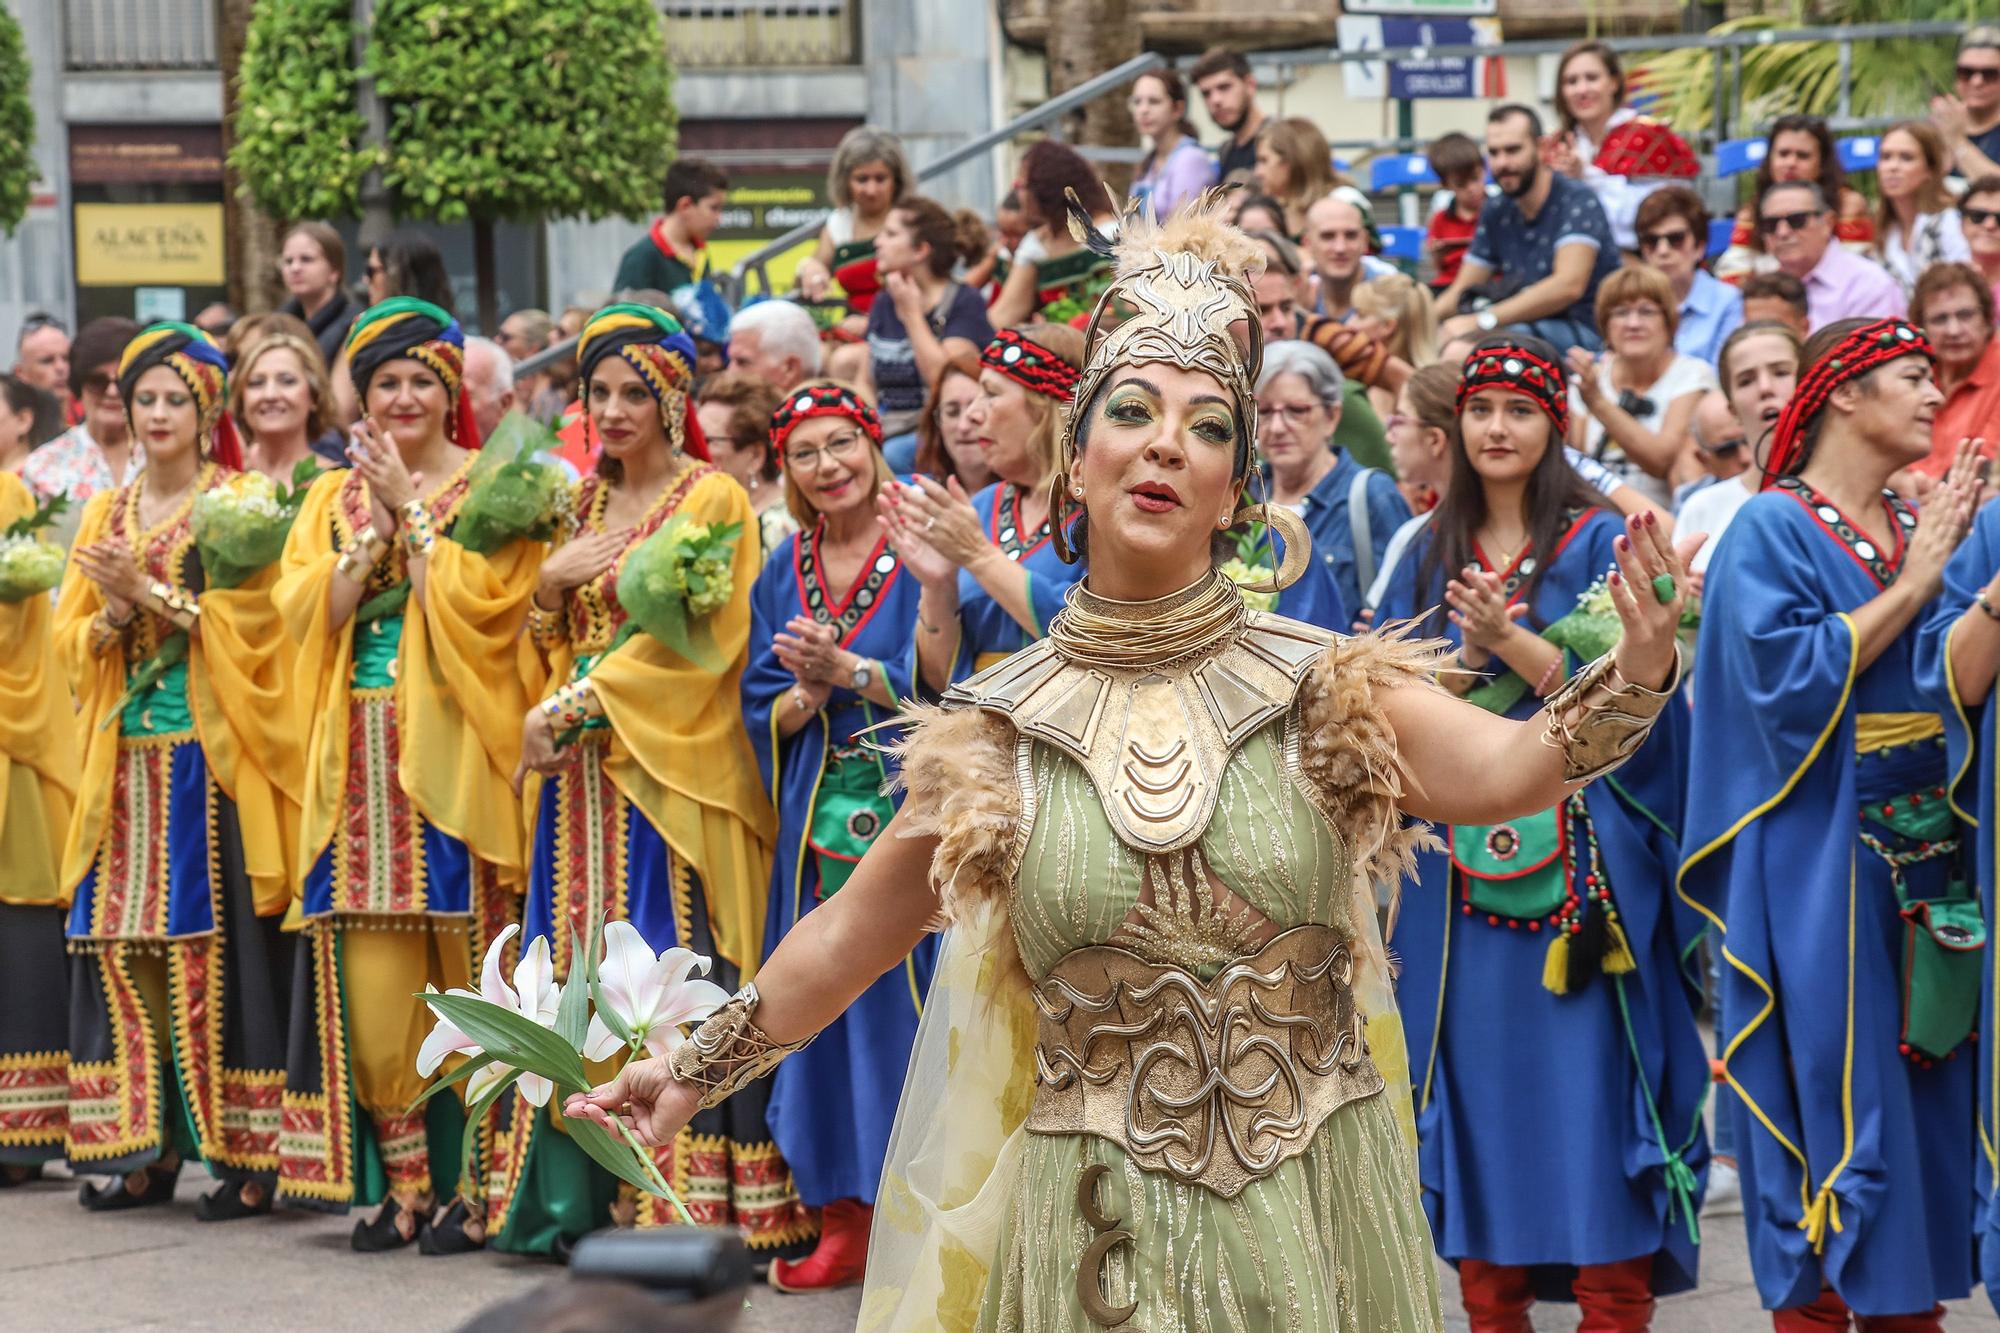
(1030, 365)
(821, 400)
(1876, 343)
(1518, 370)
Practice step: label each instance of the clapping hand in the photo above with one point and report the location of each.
(1649, 590)
(115, 570)
(809, 650)
(1944, 520)
(1478, 602)
(380, 463)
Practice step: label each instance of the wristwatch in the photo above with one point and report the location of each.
(864, 671)
(1487, 321)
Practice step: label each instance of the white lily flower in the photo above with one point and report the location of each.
(535, 995)
(654, 995)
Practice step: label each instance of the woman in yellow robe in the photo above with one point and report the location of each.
(172, 858)
(410, 844)
(38, 772)
(656, 815)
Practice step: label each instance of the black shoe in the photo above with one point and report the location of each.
(381, 1236)
(115, 1198)
(12, 1177)
(226, 1204)
(446, 1232)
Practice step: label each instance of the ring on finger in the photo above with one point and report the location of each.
(1663, 588)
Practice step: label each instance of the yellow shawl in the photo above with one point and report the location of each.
(38, 744)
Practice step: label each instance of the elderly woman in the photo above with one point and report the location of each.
(1821, 845)
(1152, 827)
(173, 862)
(991, 570)
(661, 759)
(734, 410)
(410, 840)
(1638, 400)
(1351, 511)
(831, 620)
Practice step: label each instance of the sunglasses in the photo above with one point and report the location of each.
(1792, 221)
(1980, 217)
(1979, 73)
(36, 323)
(99, 383)
(1673, 240)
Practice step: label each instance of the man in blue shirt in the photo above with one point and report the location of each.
(1540, 249)
(1672, 224)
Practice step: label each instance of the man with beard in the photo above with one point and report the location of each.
(1229, 90)
(1540, 250)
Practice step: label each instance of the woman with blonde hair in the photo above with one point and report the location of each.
(832, 617)
(1295, 167)
(282, 401)
(1916, 224)
(1396, 308)
(868, 176)
(991, 572)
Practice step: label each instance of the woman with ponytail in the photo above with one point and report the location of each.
(927, 320)
(1821, 846)
(410, 673)
(1557, 1069)
(173, 863)
(660, 756)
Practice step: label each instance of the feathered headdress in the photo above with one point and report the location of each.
(1181, 296)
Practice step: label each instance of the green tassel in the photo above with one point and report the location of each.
(1555, 968)
(1618, 957)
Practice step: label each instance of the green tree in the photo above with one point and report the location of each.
(522, 109)
(1886, 78)
(17, 126)
(298, 143)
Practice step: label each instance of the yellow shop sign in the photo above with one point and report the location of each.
(161, 245)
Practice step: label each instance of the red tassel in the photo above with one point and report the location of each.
(692, 440)
(462, 426)
(227, 446)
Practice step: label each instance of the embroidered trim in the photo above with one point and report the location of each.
(816, 597)
(1006, 532)
(114, 1104)
(594, 615)
(34, 1098)
(1883, 569)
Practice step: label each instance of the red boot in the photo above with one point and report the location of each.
(1931, 1321)
(1615, 1298)
(1496, 1297)
(1829, 1311)
(841, 1256)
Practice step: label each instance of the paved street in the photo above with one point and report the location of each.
(64, 1270)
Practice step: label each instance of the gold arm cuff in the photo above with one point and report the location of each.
(175, 605)
(573, 704)
(360, 556)
(419, 532)
(1605, 733)
(729, 1050)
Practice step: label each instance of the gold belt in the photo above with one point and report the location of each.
(1215, 1083)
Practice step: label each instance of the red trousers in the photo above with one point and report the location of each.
(1612, 1298)
(1829, 1311)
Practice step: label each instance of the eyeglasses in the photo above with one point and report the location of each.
(840, 446)
(99, 382)
(1978, 73)
(1980, 217)
(1791, 221)
(1292, 416)
(1673, 240)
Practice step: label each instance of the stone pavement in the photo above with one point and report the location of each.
(64, 1271)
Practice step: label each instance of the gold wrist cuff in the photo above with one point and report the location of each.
(175, 605)
(1603, 734)
(546, 629)
(360, 556)
(419, 533)
(572, 705)
(729, 1050)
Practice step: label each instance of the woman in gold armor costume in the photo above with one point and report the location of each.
(1160, 1080)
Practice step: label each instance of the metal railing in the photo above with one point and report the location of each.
(139, 34)
(763, 33)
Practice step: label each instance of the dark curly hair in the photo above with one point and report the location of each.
(1047, 170)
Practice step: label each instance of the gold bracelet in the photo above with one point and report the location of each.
(360, 556)
(546, 629)
(106, 633)
(176, 606)
(419, 532)
(572, 705)
(1606, 733)
(729, 1050)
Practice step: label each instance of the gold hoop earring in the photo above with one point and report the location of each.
(1298, 544)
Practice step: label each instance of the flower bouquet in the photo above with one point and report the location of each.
(1251, 565)
(537, 1033)
(674, 580)
(240, 526)
(29, 565)
(1587, 632)
(511, 492)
